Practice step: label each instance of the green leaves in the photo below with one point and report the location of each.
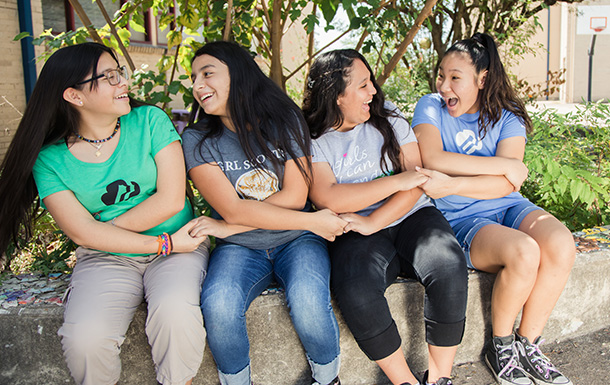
(569, 161)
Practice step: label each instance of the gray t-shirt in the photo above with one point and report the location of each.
(354, 156)
(250, 183)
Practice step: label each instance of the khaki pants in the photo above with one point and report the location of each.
(102, 298)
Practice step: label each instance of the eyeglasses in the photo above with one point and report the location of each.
(113, 76)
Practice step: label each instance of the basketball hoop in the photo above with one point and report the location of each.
(598, 23)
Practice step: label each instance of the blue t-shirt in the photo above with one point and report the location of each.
(461, 135)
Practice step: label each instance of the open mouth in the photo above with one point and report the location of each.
(122, 96)
(451, 102)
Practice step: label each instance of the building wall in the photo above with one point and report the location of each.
(569, 50)
(532, 68)
(600, 75)
(12, 89)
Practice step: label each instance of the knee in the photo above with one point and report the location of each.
(89, 339)
(559, 250)
(223, 304)
(306, 299)
(523, 258)
(174, 313)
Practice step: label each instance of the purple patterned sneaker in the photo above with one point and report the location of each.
(537, 365)
(502, 358)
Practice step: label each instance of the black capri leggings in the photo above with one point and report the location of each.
(421, 247)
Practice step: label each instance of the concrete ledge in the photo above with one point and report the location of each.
(30, 351)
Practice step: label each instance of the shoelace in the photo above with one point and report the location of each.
(512, 363)
(541, 361)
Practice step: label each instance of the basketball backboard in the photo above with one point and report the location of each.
(592, 19)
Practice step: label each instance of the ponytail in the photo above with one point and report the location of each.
(497, 93)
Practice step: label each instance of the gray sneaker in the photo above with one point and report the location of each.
(502, 358)
(537, 365)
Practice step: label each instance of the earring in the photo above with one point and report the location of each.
(81, 102)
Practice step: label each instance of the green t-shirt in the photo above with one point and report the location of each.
(127, 178)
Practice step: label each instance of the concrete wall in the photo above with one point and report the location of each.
(30, 350)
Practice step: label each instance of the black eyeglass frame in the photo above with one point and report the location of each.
(121, 72)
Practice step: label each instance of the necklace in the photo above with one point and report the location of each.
(98, 143)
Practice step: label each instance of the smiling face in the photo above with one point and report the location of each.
(211, 85)
(354, 102)
(104, 100)
(459, 84)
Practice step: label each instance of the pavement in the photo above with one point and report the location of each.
(560, 107)
(584, 360)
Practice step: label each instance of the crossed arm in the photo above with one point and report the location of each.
(471, 176)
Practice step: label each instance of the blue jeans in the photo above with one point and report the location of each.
(237, 275)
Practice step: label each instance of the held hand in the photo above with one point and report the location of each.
(205, 225)
(411, 179)
(516, 173)
(183, 242)
(438, 185)
(359, 224)
(328, 225)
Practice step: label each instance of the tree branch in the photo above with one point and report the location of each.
(309, 59)
(114, 32)
(402, 48)
(227, 31)
(82, 15)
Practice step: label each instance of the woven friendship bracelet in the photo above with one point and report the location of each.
(165, 244)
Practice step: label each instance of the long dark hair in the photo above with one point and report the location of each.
(48, 118)
(329, 75)
(260, 111)
(497, 93)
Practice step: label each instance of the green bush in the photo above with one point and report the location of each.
(568, 157)
(49, 250)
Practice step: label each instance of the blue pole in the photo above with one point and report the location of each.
(28, 56)
(548, 49)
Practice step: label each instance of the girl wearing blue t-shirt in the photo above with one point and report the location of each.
(111, 173)
(364, 159)
(248, 155)
(473, 134)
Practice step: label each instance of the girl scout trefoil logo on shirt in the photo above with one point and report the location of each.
(468, 141)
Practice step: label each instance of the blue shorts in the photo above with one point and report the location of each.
(510, 217)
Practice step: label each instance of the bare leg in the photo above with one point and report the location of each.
(395, 367)
(189, 382)
(557, 254)
(440, 361)
(515, 257)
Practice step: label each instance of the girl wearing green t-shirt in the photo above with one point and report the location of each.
(111, 173)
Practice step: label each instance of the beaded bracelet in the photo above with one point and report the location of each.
(165, 244)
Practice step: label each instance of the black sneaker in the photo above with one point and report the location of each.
(336, 381)
(537, 365)
(502, 358)
(440, 381)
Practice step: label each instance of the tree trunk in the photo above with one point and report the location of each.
(275, 72)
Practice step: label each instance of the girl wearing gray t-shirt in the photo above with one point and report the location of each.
(248, 155)
(364, 157)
